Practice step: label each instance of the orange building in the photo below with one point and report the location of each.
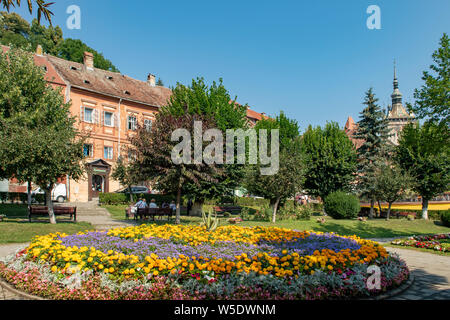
(109, 106)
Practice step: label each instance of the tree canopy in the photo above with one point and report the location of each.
(432, 100)
(424, 151)
(214, 102)
(330, 160)
(39, 141)
(16, 31)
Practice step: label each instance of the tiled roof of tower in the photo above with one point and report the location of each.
(110, 83)
(350, 129)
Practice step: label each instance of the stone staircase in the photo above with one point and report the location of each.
(99, 217)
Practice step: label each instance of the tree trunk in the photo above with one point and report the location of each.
(389, 211)
(372, 203)
(178, 213)
(275, 207)
(379, 208)
(131, 194)
(424, 208)
(48, 199)
(29, 195)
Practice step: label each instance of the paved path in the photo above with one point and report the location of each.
(431, 272)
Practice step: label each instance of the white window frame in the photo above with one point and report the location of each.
(133, 123)
(112, 119)
(109, 155)
(148, 123)
(92, 114)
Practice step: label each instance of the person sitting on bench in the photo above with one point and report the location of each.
(153, 204)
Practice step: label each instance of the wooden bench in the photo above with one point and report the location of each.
(153, 212)
(231, 209)
(58, 211)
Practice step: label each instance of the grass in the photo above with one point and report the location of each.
(377, 228)
(15, 228)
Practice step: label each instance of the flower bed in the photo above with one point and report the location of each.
(188, 262)
(438, 242)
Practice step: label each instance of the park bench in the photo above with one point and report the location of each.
(59, 211)
(153, 212)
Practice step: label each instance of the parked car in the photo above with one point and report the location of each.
(136, 190)
(59, 193)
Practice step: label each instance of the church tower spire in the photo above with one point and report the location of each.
(396, 95)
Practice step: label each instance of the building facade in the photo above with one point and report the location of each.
(396, 114)
(109, 106)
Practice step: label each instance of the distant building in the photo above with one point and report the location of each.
(109, 106)
(396, 114)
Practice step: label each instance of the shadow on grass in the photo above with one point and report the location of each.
(362, 230)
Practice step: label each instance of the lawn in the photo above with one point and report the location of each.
(377, 228)
(16, 228)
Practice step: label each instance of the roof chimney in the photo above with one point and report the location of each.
(151, 79)
(89, 60)
(39, 50)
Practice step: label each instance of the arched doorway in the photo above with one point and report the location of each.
(98, 178)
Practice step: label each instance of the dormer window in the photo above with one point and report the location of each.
(86, 81)
(127, 92)
(109, 77)
(73, 68)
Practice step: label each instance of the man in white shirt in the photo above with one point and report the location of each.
(153, 204)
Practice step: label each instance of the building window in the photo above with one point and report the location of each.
(132, 122)
(148, 124)
(88, 150)
(88, 115)
(108, 153)
(108, 119)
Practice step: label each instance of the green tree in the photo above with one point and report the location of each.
(282, 185)
(289, 178)
(391, 183)
(330, 160)
(125, 173)
(14, 30)
(39, 141)
(212, 101)
(424, 151)
(433, 98)
(373, 130)
(42, 7)
(160, 82)
(73, 50)
(50, 38)
(154, 160)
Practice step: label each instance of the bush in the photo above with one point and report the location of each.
(251, 202)
(445, 218)
(265, 214)
(340, 205)
(3, 196)
(288, 212)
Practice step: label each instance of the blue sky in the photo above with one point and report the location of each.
(312, 59)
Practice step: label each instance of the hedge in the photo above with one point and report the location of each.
(445, 218)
